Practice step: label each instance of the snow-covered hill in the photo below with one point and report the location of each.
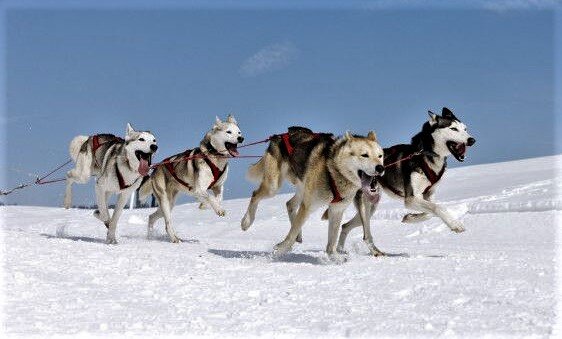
(496, 278)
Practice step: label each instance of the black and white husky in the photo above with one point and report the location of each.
(119, 165)
(413, 171)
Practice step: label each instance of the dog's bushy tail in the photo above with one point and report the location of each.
(76, 146)
(255, 172)
(146, 188)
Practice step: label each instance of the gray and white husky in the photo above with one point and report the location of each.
(119, 165)
(413, 171)
(324, 170)
(194, 172)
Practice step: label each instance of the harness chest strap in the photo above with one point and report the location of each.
(334, 188)
(217, 173)
(431, 175)
(122, 184)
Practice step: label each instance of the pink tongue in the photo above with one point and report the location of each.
(143, 167)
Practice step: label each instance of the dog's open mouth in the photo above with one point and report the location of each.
(232, 149)
(145, 159)
(457, 149)
(369, 186)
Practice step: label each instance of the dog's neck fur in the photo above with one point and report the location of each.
(434, 155)
(346, 180)
(218, 158)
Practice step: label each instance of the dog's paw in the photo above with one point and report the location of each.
(221, 213)
(246, 222)
(280, 249)
(111, 241)
(411, 218)
(337, 258)
(203, 206)
(341, 250)
(175, 240)
(457, 227)
(299, 238)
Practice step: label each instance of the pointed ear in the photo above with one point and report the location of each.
(230, 118)
(130, 129)
(218, 122)
(347, 136)
(432, 118)
(446, 113)
(372, 136)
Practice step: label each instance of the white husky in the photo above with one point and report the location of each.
(194, 171)
(119, 165)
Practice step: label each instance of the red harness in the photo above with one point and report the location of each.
(431, 175)
(427, 171)
(333, 187)
(217, 173)
(122, 184)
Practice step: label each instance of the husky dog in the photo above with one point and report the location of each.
(119, 165)
(324, 170)
(194, 172)
(414, 170)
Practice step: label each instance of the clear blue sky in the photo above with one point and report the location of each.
(171, 71)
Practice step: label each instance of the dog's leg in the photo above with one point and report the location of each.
(420, 204)
(166, 207)
(205, 198)
(151, 220)
(411, 218)
(364, 208)
(102, 213)
(355, 221)
(415, 200)
(335, 214)
(121, 202)
(292, 208)
(80, 173)
(269, 185)
(302, 214)
(218, 192)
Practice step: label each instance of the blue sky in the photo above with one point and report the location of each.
(171, 70)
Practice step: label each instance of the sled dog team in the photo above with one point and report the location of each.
(327, 172)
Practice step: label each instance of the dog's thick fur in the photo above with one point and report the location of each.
(440, 137)
(218, 144)
(348, 160)
(129, 157)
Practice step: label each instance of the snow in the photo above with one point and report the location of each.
(497, 278)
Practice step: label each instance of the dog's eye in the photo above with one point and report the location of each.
(229, 132)
(380, 156)
(141, 139)
(153, 140)
(365, 155)
(455, 129)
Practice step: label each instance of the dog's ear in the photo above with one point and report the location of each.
(447, 113)
(130, 129)
(230, 118)
(372, 136)
(432, 118)
(347, 136)
(218, 123)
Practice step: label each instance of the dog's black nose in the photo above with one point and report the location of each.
(470, 141)
(153, 148)
(379, 169)
(240, 139)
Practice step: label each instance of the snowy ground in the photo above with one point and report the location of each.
(496, 278)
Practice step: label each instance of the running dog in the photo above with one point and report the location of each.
(324, 170)
(119, 165)
(194, 172)
(414, 170)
